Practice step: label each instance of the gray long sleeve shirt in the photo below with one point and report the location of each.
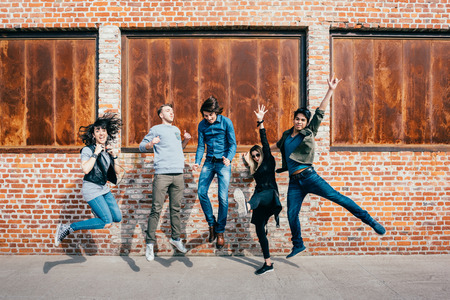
(169, 157)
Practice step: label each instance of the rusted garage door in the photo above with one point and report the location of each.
(240, 72)
(395, 92)
(48, 91)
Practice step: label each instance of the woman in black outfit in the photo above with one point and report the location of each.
(265, 201)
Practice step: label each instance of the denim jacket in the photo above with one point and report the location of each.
(99, 174)
(304, 153)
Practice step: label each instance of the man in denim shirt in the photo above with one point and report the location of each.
(217, 132)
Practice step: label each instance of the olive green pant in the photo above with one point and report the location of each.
(174, 185)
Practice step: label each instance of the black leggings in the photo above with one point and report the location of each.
(261, 200)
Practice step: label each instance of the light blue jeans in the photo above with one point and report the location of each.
(313, 183)
(206, 176)
(105, 209)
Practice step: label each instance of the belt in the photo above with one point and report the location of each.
(214, 159)
(305, 173)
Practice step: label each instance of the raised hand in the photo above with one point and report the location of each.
(260, 112)
(332, 84)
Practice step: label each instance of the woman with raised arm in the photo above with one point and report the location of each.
(265, 201)
(97, 163)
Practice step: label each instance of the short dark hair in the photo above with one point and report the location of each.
(162, 106)
(303, 111)
(211, 105)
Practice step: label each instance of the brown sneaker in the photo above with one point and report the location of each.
(220, 240)
(212, 234)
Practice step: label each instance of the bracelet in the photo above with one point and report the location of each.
(259, 122)
(94, 155)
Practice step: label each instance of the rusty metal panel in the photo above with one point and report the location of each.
(48, 90)
(184, 83)
(85, 67)
(12, 93)
(159, 75)
(39, 87)
(268, 85)
(240, 72)
(416, 62)
(288, 84)
(343, 101)
(400, 91)
(214, 79)
(139, 91)
(364, 120)
(243, 88)
(440, 92)
(388, 91)
(65, 94)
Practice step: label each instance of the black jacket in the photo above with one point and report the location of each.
(99, 174)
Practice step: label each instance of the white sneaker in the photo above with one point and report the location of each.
(149, 255)
(240, 200)
(179, 245)
(62, 231)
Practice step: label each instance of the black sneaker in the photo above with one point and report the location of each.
(264, 269)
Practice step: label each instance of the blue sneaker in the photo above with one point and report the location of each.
(295, 251)
(378, 228)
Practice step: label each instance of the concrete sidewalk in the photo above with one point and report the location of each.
(224, 277)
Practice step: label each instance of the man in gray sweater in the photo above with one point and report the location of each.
(165, 141)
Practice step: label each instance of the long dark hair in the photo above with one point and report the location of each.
(108, 121)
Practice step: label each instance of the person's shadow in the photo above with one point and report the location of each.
(127, 227)
(167, 262)
(75, 252)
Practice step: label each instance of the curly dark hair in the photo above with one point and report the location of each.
(108, 121)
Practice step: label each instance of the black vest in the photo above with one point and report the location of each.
(99, 174)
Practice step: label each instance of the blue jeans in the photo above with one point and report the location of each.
(206, 176)
(105, 209)
(313, 183)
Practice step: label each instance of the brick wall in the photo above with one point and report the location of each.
(408, 192)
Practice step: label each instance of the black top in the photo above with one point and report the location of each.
(265, 180)
(265, 174)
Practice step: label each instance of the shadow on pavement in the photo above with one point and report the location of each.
(73, 259)
(168, 262)
(131, 263)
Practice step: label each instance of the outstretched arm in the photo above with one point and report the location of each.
(260, 115)
(332, 84)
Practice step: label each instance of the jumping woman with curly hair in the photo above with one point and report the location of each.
(97, 163)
